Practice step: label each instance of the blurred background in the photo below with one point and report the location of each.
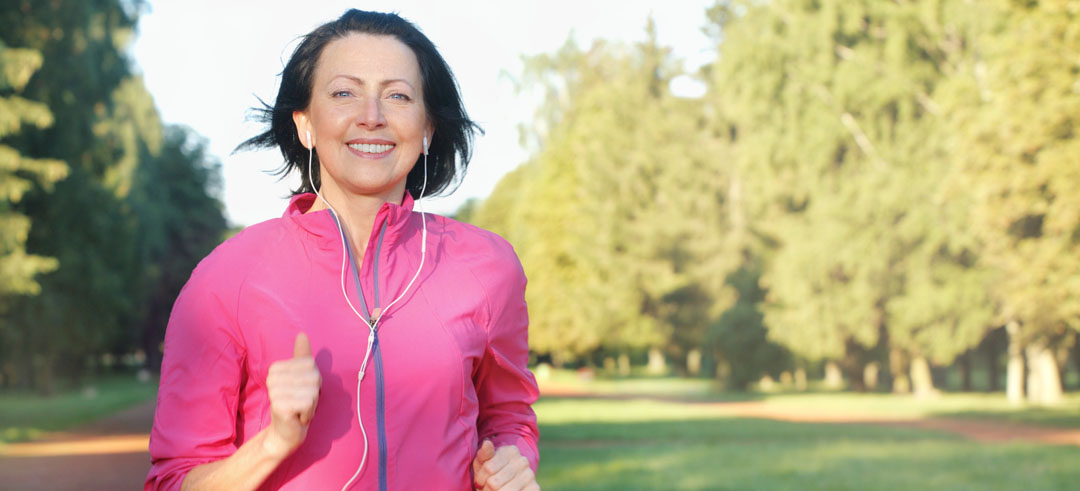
(743, 222)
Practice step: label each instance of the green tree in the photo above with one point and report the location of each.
(839, 151)
(617, 216)
(174, 201)
(19, 173)
(1014, 113)
(740, 336)
(83, 223)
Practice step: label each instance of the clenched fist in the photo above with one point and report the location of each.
(504, 469)
(293, 386)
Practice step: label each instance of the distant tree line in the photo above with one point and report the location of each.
(104, 211)
(885, 187)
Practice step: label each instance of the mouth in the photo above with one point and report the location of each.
(371, 150)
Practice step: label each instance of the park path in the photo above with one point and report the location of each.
(981, 431)
(111, 453)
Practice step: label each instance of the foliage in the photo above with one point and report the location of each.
(838, 140)
(741, 337)
(135, 208)
(903, 175)
(1015, 114)
(617, 216)
(19, 173)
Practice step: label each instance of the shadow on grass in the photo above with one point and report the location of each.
(735, 453)
(1062, 417)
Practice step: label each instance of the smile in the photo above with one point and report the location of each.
(370, 148)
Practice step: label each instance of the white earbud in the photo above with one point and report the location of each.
(425, 144)
(309, 139)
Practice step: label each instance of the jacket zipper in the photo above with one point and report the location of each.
(380, 398)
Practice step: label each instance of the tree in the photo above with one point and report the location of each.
(174, 200)
(19, 173)
(740, 335)
(839, 149)
(1014, 114)
(618, 215)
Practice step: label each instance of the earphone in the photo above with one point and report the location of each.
(377, 314)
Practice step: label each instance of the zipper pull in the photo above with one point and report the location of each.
(375, 313)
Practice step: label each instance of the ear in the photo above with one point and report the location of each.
(303, 126)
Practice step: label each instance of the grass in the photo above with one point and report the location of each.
(966, 405)
(598, 444)
(656, 435)
(984, 406)
(26, 415)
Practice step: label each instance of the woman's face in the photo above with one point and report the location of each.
(366, 117)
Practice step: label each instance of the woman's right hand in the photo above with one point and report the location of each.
(293, 386)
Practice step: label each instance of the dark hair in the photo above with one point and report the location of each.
(448, 152)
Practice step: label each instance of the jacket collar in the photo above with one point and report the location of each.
(321, 224)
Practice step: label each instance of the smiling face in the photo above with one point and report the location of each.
(366, 117)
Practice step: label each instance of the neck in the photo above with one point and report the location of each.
(356, 212)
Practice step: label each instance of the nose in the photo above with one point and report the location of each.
(371, 114)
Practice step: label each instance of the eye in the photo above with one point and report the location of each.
(341, 93)
(401, 97)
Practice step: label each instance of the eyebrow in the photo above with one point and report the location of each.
(383, 83)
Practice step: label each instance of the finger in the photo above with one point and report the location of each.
(309, 414)
(503, 477)
(521, 481)
(302, 347)
(493, 466)
(486, 453)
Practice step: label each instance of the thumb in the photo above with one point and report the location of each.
(302, 347)
(486, 452)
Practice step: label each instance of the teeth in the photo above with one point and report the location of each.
(369, 148)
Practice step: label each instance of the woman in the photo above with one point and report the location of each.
(353, 342)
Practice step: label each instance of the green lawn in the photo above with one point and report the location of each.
(24, 416)
(661, 438)
(977, 405)
(647, 444)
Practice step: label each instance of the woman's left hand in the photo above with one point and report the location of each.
(504, 469)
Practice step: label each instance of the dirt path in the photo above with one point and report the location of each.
(108, 454)
(980, 431)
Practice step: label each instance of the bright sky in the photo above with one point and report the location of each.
(205, 61)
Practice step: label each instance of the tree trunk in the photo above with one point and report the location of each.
(1076, 362)
(834, 378)
(657, 365)
(965, 371)
(898, 366)
(800, 379)
(1014, 371)
(993, 369)
(44, 381)
(870, 376)
(693, 362)
(922, 382)
(1044, 380)
(624, 364)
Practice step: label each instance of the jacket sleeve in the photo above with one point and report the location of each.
(505, 387)
(195, 418)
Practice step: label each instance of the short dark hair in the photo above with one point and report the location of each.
(450, 149)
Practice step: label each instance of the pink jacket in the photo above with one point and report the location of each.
(451, 364)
